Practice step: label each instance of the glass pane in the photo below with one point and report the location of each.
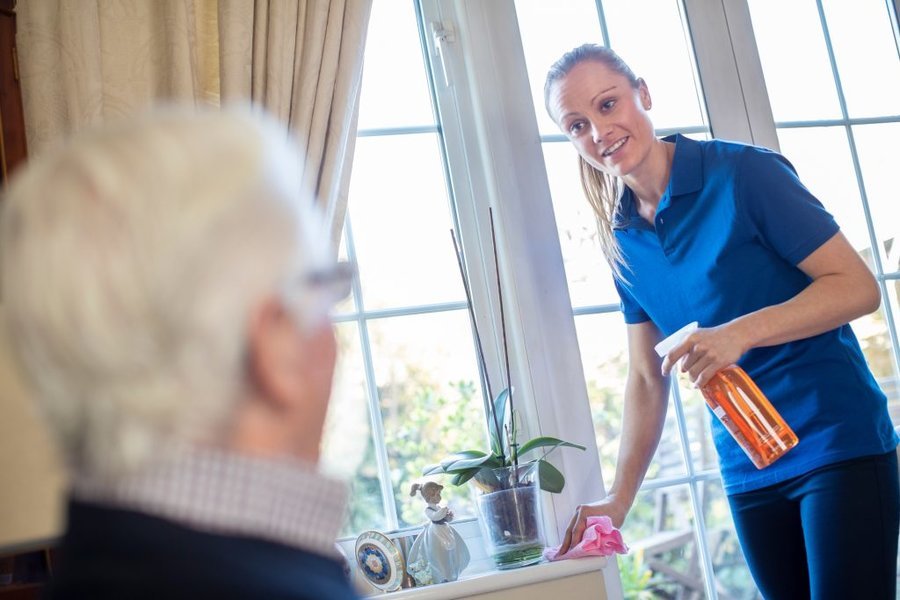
(821, 156)
(395, 85)
(348, 449)
(670, 75)
(733, 578)
(697, 416)
(604, 356)
(431, 401)
(589, 277)
(866, 54)
(603, 342)
(548, 30)
(872, 332)
(669, 458)
(794, 60)
(663, 561)
(401, 223)
(873, 144)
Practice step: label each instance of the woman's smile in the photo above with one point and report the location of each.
(614, 148)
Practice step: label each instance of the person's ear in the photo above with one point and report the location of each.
(274, 353)
(644, 93)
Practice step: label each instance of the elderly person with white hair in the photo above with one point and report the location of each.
(167, 288)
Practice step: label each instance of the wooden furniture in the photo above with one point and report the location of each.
(12, 121)
(24, 575)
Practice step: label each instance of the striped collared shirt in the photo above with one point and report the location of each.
(222, 492)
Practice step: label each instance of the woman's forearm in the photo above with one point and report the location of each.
(646, 401)
(843, 289)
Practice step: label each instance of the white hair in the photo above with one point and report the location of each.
(132, 257)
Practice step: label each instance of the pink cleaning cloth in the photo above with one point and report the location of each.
(600, 539)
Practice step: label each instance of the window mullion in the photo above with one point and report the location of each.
(694, 491)
(382, 461)
(730, 70)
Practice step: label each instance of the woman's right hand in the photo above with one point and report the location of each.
(610, 506)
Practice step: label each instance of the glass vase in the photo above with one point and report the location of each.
(509, 515)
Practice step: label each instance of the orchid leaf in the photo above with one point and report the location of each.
(488, 460)
(500, 412)
(549, 477)
(545, 441)
(461, 478)
(442, 466)
(462, 461)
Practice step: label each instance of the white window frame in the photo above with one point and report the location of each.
(493, 149)
(485, 76)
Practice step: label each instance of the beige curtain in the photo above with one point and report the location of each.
(89, 61)
(302, 61)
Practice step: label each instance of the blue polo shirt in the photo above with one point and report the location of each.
(729, 231)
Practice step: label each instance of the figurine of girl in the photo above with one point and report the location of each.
(439, 554)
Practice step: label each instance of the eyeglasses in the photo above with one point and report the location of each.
(337, 280)
(318, 291)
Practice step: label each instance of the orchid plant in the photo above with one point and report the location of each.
(505, 451)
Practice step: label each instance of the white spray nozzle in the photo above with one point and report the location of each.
(665, 346)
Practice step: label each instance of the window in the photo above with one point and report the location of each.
(837, 124)
(408, 380)
(444, 134)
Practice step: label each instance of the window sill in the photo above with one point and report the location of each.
(493, 581)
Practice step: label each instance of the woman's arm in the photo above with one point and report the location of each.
(842, 289)
(646, 401)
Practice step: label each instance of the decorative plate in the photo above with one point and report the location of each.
(379, 560)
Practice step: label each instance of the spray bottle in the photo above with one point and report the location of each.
(742, 407)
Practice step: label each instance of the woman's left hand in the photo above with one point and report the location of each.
(705, 352)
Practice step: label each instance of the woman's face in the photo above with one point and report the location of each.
(604, 117)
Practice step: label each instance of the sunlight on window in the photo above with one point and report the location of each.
(822, 158)
(419, 369)
(401, 222)
(795, 60)
(590, 279)
(395, 85)
(866, 54)
(549, 29)
(875, 143)
(670, 73)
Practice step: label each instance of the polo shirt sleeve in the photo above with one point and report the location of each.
(786, 216)
(630, 308)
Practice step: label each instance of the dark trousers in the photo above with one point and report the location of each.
(831, 533)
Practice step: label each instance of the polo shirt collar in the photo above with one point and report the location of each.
(686, 177)
(687, 166)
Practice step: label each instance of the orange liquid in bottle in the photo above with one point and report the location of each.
(749, 416)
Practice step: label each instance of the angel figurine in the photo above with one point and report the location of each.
(439, 554)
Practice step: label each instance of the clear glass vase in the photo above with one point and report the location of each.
(509, 515)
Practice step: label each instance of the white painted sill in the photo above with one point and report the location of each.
(493, 581)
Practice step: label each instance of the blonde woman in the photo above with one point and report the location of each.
(725, 234)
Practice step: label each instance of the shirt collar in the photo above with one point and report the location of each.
(686, 177)
(280, 500)
(687, 166)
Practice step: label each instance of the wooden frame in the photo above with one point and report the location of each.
(12, 122)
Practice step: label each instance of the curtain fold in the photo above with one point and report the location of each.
(92, 61)
(302, 62)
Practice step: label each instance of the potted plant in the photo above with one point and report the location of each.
(508, 477)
